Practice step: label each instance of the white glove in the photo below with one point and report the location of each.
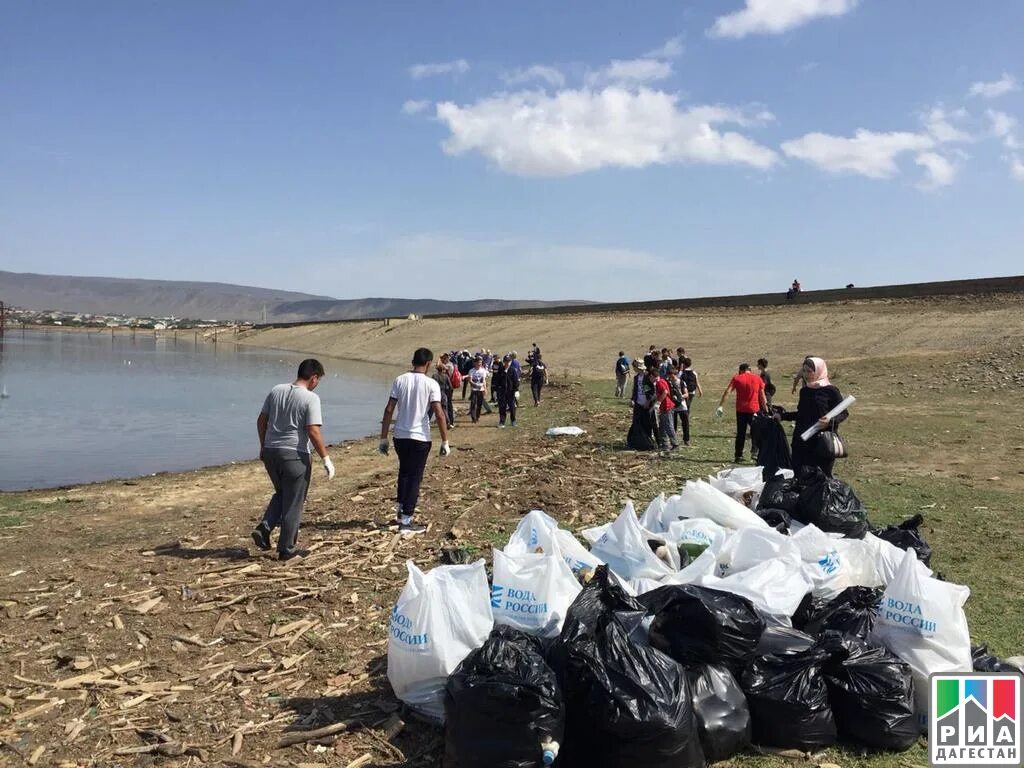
(517, 395)
(382, 447)
(718, 411)
(445, 448)
(328, 467)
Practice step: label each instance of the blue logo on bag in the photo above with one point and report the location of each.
(830, 563)
(521, 602)
(496, 596)
(401, 629)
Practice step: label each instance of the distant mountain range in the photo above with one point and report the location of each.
(218, 301)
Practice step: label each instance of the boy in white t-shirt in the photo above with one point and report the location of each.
(414, 395)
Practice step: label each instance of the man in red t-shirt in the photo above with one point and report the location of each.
(750, 399)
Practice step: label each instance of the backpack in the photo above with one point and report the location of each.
(690, 380)
(456, 379)
(674, 391)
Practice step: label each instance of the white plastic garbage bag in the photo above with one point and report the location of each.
(697, 532)
(651, 519)
(859, 562)
(565, 432)
(594, 534)
(700, 499)
(439, 618)
(744, 484)
(775, 587)
(823, 566)
(626, 549)
(539, 532)
(922, 621)
(888, 558)
(753, 546)
(532, 592)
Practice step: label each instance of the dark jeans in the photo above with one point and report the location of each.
(682, 417)
(465, 383)
(535, 388)
(506, 405)
(476, 401)
(448, 407)
(743, 421)
(412, 460)
(289, 471)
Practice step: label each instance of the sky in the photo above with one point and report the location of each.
(533, 150)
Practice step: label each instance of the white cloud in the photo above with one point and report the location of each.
(1017, 167)
(939, 170)
(867, 153)
(995, 88)
(672, 49)
(776, 16)
(574, 131)
(550, 75)
(414, 106)
(937, 122)
(457, 67)
(631, 72)
(1004, 128)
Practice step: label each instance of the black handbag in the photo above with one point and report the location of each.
(830, 446)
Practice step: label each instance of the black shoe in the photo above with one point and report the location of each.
(411, 529)
(283, 556)
(261, 538)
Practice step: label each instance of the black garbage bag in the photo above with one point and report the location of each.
(501, 704)
(907, 535)
(830, 504)
(872, 694)
(628, 705)
(773, 453)
(788, 700)
(699, 625)
(986, 662)
(783, 640)
(851, 612)
(779, 493)
(641, 431)
(602, 595)
(778, 519)
(722, 713)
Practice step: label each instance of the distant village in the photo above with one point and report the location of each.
(16, 315)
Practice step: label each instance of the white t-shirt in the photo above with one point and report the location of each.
(415, 393)
(477, 379)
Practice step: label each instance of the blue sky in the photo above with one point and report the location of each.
(519, 150)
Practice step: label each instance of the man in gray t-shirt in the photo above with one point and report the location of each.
(289, 425)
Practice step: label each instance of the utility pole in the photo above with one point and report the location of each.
(3, 319)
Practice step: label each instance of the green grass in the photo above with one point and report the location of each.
(17, 508)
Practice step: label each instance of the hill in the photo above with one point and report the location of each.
(217, 301)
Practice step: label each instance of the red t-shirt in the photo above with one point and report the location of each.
(747, 386)
(661, 386)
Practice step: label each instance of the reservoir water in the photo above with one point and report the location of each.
(83, 407)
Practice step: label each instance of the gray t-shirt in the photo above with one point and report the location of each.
(290, 409)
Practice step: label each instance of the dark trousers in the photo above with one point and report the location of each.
(448, 407)
(465, 383)
(412, 460)
(803, 456)
(476, 402)
(535, 388)
(682, 417)
(506, 405)
(289, 471)
(743, 421)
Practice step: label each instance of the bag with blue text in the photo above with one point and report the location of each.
(440, 617)
(532, 592)
(922, 621)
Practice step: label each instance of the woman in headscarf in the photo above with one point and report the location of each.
(818, 396)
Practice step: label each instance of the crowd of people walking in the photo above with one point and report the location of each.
(664, 385)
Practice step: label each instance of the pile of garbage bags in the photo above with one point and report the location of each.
(736, 612)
